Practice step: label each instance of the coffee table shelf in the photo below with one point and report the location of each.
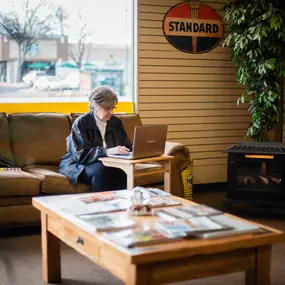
(128, 166)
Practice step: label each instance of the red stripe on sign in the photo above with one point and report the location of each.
(180, 11)
(206, 12)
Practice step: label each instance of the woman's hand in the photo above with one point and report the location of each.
(117, 150)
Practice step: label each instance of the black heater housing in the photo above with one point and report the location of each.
(256, 174)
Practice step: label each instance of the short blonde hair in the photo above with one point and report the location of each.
(104, 96)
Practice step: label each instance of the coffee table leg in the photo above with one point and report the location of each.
(260, 275)
(139, 275)
(50, 254)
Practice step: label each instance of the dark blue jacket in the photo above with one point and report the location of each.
(85, 144)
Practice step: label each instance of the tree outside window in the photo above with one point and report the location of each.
(63, 49)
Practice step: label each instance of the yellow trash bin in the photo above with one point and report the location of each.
(187, 176)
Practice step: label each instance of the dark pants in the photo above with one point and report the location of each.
(103, 178)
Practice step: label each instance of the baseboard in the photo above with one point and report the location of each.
(210, 187)
(19, 231)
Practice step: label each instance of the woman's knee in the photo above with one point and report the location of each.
(94, 168)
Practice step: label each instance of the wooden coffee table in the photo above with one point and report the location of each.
(158, 263)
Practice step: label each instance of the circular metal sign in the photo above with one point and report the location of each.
(193, 27)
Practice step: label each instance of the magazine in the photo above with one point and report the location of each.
(170, 214)
(200, 210)
(137, 236)
(162, 201)
(187, 212)
(191, 226)
(107, 222)
(10, 169)
(121, 194)
(100, 196)
(79, 209)
(238, 227)
(153, 192)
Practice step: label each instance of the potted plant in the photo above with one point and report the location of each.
(257, 39)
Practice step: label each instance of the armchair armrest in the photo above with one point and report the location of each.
(179, 163)
(180, 152)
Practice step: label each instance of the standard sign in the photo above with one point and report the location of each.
(193, 28)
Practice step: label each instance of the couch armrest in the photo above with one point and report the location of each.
(180, 152)
(179, 163)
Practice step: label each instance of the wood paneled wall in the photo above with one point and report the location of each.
(194, 94)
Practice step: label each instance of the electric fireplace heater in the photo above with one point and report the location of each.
(256, 174)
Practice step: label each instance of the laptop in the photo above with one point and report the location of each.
(149, 141)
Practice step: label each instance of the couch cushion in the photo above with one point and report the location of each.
(19, 215)
(15, 200)
(5, 146)
(130, 121)
(18, 183)
(53, 182)
(73, 116)
(38, 138)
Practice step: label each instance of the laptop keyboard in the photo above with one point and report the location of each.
(130, 154)
(125, 154)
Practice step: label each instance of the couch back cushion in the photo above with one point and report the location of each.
(73, 117)
(38, 138)
(130, 121)
(5, 146)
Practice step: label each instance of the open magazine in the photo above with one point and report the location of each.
(119, 194)
(100, 196)
(76, 208)
(137, 236)
(10, 169)
(187, 212)
(191, 226)
(199, 210)
(163, 201)
(238, 227)
(107, 222)
(153, 192)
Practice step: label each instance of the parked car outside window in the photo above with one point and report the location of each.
(31, 76)
(71, 81)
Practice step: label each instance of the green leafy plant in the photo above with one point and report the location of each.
(257, 39)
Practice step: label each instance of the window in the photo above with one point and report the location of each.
(68, 48)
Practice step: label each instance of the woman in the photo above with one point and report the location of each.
(92, 136)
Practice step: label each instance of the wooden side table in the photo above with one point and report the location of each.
(128, 166)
